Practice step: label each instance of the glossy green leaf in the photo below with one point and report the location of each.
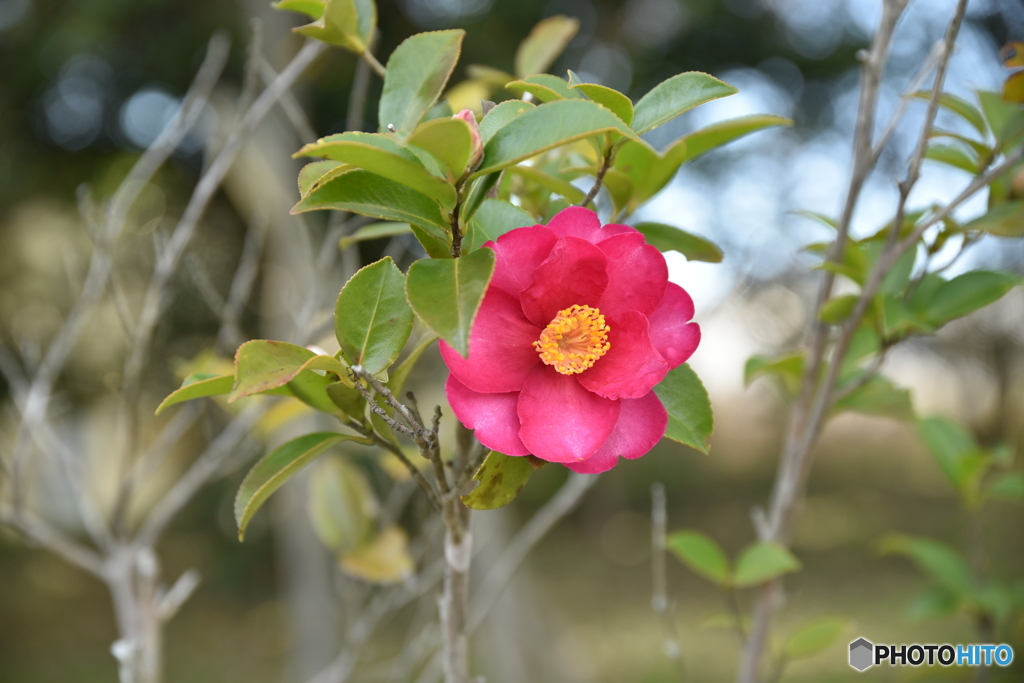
(277, 467)
(382, 156)
(951, 155)
(967, 293)
(814, 637)
(374, 231)
(197, 385)
(690, 420)
(668, 238)
(718, 134)
(545, 87)
(546, 127)
(313, 173)
(347, 399)
(448, 139)
(549, 182)
(619, 104)
(546, 41)
(372, 318)
(1005, 220)
(362, 192)
(501, 478)
(417, 72)
(879, 397)
(446, 294)
(500, 116)
(959, 106)
(493, 219)
(701, 554)
(262, 365)
(676, 95)
(342, 507)
(338, 25)
(941, 562)
(763, 562)
(401, 373)
(366, 11)
(314, 9)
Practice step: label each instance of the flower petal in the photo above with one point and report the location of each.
(575, 221)
(632, 366)
(517, 255)
(493, 417)
(613, 229)
(637, 275)
(574, 273)
(562, 421)
(673, 335)
(641, 425)
(501, 352)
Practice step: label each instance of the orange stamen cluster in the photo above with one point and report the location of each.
(574, 340)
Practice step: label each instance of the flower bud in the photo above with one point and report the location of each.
(474, 129)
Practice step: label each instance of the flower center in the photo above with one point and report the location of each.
(574, 340)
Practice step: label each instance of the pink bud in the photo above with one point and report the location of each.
(478, 144)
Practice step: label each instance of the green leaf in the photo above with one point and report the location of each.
(674, 96)
(816, 217)
(500, 116)
(366, 10)
(943, 564)
(501, 479)
(197, 385)
(446, 294)
(1007, 486)
(372, 318)
(690, 420)
(549, 182)
(967, 111)
(934, 602)
(668, 237)
(546, 127)
(952, 446)
(312, 173)
(814, 637)
(277, 467)
(838, 309)
(718, 134)
(544, 87)
(999, 114)
(878, 397)
(1005, 220)
(397, 381)
(954, 156)
(493, 219)
(898, 318)
(448, 139)
(385, 559)
(762, 562)
(967, 293)
(417, 72)
(382, 156)
(374, 231)
(364, 193)
(347, 399)
(262, 365)
(701, 554)
(619, 104)
(546, 41)
(342, 506)
(314, 9)
(338, 25)
(787, 370)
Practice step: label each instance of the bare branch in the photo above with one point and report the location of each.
(659, 582)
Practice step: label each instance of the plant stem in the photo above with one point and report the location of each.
(374, 64)
(605, 165)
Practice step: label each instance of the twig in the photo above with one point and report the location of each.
(289, 105)
(672, 645)
(598, 179)
(41, 532)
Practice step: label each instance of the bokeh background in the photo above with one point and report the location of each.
(86, 84)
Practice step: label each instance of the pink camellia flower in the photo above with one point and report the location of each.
(578, 325)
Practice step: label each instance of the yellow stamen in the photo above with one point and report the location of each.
(574, 340)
